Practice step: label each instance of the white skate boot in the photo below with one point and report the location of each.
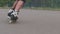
(13, 17)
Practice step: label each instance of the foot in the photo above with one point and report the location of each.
(12, 15)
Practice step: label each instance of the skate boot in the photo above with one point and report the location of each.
(13, 17)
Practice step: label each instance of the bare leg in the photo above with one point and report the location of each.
(12, 9)
(14, 5)
(19, 5)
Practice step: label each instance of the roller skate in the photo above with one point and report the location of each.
(13, 19)
(12, 16)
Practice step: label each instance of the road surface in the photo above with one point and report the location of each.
(31, 22)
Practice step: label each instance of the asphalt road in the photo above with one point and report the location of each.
(31, 22)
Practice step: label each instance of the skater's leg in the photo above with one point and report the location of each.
(16, 8)
(14, 5)
(12, 9)
(19, 5)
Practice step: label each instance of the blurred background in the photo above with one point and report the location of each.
(37, 4)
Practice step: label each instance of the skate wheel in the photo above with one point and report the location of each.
(10, 22)
(9, 17)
